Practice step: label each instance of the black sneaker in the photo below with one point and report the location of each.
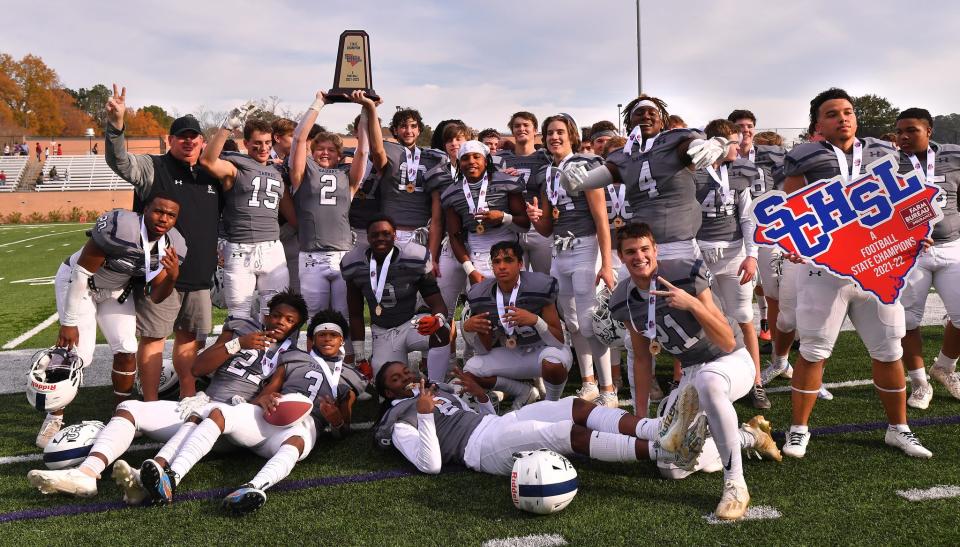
(758, 396)
(159, 482)
(244, 500)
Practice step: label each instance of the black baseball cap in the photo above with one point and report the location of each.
(185, 123)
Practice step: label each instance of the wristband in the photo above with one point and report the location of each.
(232, 346)
(507, 219)
(358, 351)
(468, 267)
(442, 318)
(317, 104)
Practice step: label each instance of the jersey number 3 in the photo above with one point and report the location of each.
(270, 202)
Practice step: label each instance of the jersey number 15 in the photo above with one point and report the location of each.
(270, 202)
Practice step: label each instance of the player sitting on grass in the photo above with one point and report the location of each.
(248, 354)
(320, 376)
(668, 304)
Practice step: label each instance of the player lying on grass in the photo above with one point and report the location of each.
(432, 426)
(93, 288)
(321, 376)
(668, 304)
(247, 355)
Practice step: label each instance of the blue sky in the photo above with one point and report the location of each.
(481, 61)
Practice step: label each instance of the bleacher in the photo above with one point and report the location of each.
(13, 167)
(82, 172)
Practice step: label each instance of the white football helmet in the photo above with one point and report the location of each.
(542, 482)
(218, 297)
(605, 327)
(54, 378)
(71, 445)
(169, 382)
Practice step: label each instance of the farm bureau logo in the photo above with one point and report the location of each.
(868, 231)
(352, 59)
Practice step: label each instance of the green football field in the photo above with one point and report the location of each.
(349, 493)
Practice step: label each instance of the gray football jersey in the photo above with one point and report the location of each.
(769, 160)
(678, 331)
(322, 202)
(575, 216)
(537, 291)
(409, 274)
(721, 214)
(498, 197)
(817, 160)
(243, 374)
(303, 375)
(626, 214)
(454, 419)
(412, 209)
(660, 187)
(947, 173)
(528, 166)
(251, 206)
(366, 202)
(117, 233)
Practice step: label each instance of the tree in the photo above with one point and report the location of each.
(425, 136)
(159, 114)
(140, 123)
(875, 115)
(93, 101)
(946, 129)
(75, 121)
(36, 106)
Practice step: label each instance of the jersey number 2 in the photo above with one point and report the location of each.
(270, 190)
(328, 186)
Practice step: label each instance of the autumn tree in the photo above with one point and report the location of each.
(93, 101)
(75, 121)
(37, 106)
(140, 123)
(159, 114)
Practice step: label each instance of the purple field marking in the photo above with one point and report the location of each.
(286, 486)
(290, 486)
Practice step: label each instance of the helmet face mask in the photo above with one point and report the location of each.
(608, 330)
(54, 379)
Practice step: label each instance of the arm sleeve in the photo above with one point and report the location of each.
(746, 221)
(486, 408)
(135, 169)
(420, 446)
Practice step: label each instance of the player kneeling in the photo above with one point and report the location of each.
(515, 329)
(244, 356)
(319, 376)
(687, 322)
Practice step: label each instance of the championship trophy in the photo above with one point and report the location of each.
(353, 67)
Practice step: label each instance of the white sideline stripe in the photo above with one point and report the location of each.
(833, 385)
(6, 460)
(38, 237)
(755, 512)
(939, 492)
(30, 333)
(535, 540)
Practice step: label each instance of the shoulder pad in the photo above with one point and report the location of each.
(241, 325)
(117, 231)
(176, 240)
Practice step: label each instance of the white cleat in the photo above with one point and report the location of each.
(676, 422)
(608, 399)
(50, 427)
(588, 392)
(522, 400)
(128, 479)
(950, 380)
(920, 397)
(734, 501)
(908, 442)
(824, 394)
(796, 445)
(772, 371)
(63, 481)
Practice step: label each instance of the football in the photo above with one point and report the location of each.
(292, 408)
(71, 445)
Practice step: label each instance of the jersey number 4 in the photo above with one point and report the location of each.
(272, 196)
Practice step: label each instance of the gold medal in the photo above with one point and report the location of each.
(480, 228)
(654, 348)
(556, 213)
(378, 311)
(511, 342)
(618, 222)
(411, 188)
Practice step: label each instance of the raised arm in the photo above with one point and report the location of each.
(135, 169)
(358, 168)
(299, 149)
(210, 159)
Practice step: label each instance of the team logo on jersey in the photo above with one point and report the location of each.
(868, 231)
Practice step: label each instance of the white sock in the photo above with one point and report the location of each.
(722, 418)
(945, 363)
(802, 429)
(612, 447)
(605, 419)
(899, 427)
(584, 357)
(648, 429)
(170, 449)
(510, 386)
(112, 441)
(746, 438)
(918, 378)
(601, 361)
(277, 467)
(197, 445)
(554, 391)
(780, 361)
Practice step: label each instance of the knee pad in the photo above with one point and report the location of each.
(814, 349)
(562, 356)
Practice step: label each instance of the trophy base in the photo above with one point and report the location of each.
(341, 95)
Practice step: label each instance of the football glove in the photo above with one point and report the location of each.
(430, 324)
(236, 118)
(363, 365)
(190, 405)
(704, 152)
(577, 178)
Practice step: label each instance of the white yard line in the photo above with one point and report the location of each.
(831, 385)
(38, 237)
(755, 512)
(535, 540)
(939, 492)
(30, 333)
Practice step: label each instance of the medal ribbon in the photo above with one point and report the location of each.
(378, 278)
(501, 309)
(269, 362)
(931, 164)
(618, 200)
(481, 203)
(161, 245)
(635, 137)
(846, 175)
(413, 165)
(651, 328)
(331, 371)
(554, 190)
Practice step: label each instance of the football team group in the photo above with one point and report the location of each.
(564, 253)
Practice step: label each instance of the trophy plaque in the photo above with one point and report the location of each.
(353, 67)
